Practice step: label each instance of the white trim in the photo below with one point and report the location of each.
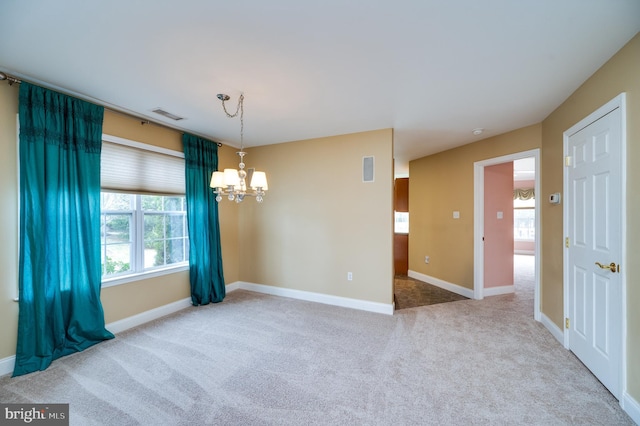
(7, 364)
(620, 102)
(327, 299)
(631, 407)
(454, 288)
(137, 276)
(232, 287)
(525, 252)
(623, 182)
(141, 145)
(552, 327)
(150, 315)
(18, 212)
(478, 223)
(496, 291)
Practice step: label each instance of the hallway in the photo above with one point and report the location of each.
(410, 293)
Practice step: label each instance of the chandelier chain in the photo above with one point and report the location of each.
(239, 108)
(232, 182)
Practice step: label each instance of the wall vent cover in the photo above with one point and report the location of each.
(367, 169)
(167, 114)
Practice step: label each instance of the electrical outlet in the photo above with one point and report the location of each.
(349, 276)
(426, 259)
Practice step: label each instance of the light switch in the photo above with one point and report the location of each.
(554, 198)
(456, 215)
(500, 215)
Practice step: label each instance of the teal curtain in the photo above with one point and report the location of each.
(205, 255)
(60, 272)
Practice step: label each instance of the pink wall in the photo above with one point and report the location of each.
(524, 247)
(524, 184)
(498, 233)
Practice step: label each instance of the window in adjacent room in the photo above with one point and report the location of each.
(524, 219)
(401, 225)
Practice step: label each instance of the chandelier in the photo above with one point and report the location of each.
(232, 182)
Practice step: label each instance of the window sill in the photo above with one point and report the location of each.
(110, 282)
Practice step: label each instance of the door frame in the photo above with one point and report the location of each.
(617, 102)
(478, 222)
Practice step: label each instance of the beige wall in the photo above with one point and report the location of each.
(319, 220)
(228, 213)
(620, 74)
(9, 221)
(450, 244)
(443, 183)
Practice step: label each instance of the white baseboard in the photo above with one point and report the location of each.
(496, 291)
(553, 328)
(150, 315)
(454, 288)
(525, 252)
(628, 403)
(631, 407)
(345, 302)
(232, 287)
(7, 364)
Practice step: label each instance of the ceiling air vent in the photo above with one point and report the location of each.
(167, 114)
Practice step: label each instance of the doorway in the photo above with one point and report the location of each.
(479, 223)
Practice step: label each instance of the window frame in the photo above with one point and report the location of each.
(138, 270)
(534, 222)
(399, 221)
(138, 225)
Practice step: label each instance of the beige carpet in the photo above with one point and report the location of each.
(260, 360)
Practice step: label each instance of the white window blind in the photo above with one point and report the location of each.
(131, 168)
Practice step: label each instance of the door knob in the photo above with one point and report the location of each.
(612, 266)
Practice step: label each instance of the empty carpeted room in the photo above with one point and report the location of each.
(201, 221)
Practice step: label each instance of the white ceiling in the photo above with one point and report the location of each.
(433, 70)
(524, 169)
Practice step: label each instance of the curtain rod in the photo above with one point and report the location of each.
(11, 80)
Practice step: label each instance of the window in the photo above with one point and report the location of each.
(401, 223)
(524, 220)
(143, 210)
(141, 233)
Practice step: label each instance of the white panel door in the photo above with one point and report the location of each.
(595, 248)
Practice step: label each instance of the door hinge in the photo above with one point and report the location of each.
(567, 160)
(566, 323)
(566, 242)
